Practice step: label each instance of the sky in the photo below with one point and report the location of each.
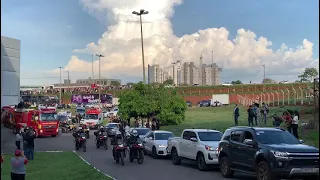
(243, 35)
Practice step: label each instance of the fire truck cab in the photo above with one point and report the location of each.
(44, 121)
(7, 116)
(93, 118)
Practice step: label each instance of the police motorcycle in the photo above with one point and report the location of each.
(136, 149)
(80, 140)
(119, 149)
(101, 138)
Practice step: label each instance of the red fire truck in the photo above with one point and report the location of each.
(44, 122)
(7, 118)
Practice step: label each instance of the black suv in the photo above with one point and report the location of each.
(267, 153)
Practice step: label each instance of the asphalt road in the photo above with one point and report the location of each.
(157, 169)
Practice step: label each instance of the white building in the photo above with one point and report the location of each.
(155, 74)
(10, 71)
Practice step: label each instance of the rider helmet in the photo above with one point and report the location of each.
(134, 133)
(118, 135)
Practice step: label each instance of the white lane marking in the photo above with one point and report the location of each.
(94, 167)
(81, 159)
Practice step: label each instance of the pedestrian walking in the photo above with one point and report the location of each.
(288, 121)
(265, 110)
(276, 120)
(148, 124)
(236, 115)
(18, 140)
(250, 115)
(28, 143)
(295, 124)
(18, 169)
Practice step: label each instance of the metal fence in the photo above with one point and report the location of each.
(284, 97)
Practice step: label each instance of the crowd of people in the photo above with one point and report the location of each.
(21, 158)
(74, 89)
(258, 116)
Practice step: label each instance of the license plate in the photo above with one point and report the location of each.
(310, 170)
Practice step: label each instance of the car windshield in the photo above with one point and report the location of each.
(91, 116)
(112, 126)
(210, 136)
(143, 131)
(81, 110)
(276, 137)
(62, 118)
(162, 136)
(48, 116)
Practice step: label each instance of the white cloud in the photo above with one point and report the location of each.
(122, 49)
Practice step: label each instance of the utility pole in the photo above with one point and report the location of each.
(68, 81)
(264, 73)
(92, 76)
(173, 63)
(99, 55)
(140, 13)
(60, 100)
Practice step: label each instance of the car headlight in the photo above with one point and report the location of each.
(105, 136)
(279, 154)
(209, 148)
(83, 137)
(120, 145)
(162, 146)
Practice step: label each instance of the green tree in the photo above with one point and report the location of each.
(308, 74)
(149, 101)
(168, 82)
(115, 83)
(236, 82)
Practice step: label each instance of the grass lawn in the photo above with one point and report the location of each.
(220, 118)
(55, 166)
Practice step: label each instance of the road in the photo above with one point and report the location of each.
(157, 169)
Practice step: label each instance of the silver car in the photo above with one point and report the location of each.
(141, 132)
(112, 128)
(155, 143)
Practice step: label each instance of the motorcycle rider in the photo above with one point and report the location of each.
(101, 131)
(134, 137)
(116, 140)
(77, 135)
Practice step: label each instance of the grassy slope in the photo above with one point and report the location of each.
(55, 166)
(221, 118)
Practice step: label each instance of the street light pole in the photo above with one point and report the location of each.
(68, 82)
(140, 13)
(99, 55)
(60, 100)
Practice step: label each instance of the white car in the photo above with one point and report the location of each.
(105, 114)
(155, 143)
(200, 145)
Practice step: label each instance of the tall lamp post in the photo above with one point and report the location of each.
(140, 13)
(100, 56)
(68, 81)
(60, 100)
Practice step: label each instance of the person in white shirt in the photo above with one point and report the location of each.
(295, 124)
(18, 140)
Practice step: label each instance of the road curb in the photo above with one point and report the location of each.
(93, 166)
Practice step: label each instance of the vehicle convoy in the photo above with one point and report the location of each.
(155, 143)
(198, 145)
(267, 153)
(93, 118)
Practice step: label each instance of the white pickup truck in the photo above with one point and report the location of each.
(198, 145)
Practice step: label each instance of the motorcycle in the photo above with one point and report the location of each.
(119, 153)
(65, 128)
(102, 140)
(82, 143)
(136, 152)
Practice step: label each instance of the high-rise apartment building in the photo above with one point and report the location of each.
(155, 74)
